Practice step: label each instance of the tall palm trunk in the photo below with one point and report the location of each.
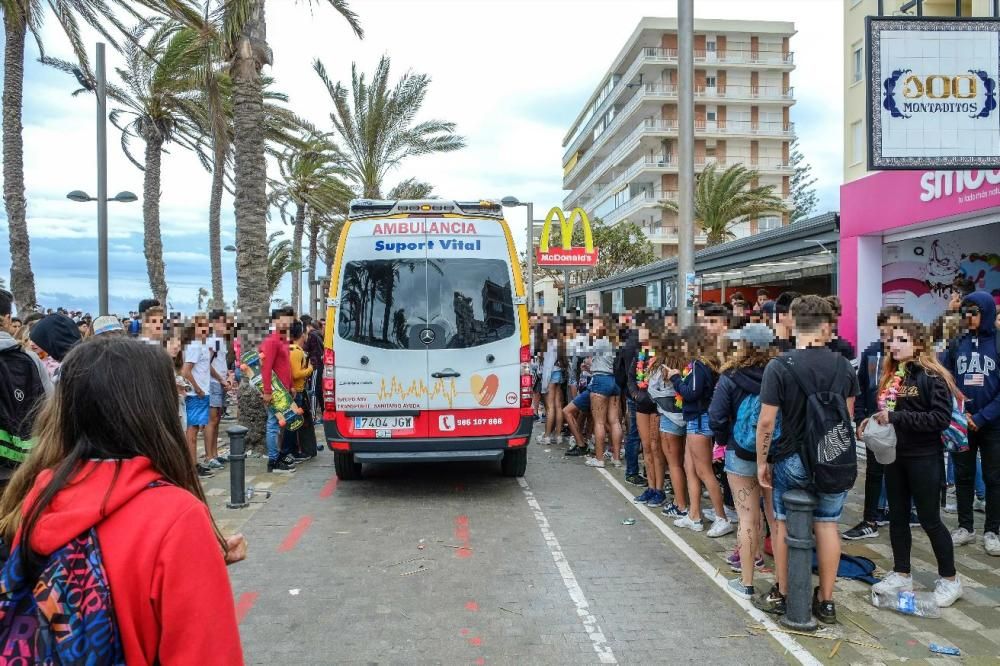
(251, 172)
(300, 220)
(215, 231)
(22, 280)
(311, 261)
(152, 242)
(250, 54)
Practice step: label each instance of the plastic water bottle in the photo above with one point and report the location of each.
(921, 604)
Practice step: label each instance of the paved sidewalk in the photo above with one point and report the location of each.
(259, 484)
(972, 624)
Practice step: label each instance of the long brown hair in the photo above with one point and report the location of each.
(924, 356)
(116, 399)
(701, 346)
(747, 355)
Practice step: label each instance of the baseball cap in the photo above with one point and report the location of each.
(758, 335)
(107, 324)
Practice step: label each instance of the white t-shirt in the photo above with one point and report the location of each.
(217, 346)
(199, 355)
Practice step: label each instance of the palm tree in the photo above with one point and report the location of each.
(279, 262)
(375, 123)
(722, 199)
(20, 17)
(411, 188)
(244, 34)
(310, 183)
(202, 293)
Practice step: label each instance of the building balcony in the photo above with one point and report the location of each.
(667, 164)
(657, 92)
(670, 235)
(650, 55)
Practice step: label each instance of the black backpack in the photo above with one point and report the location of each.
(828, 446)
(21, 389)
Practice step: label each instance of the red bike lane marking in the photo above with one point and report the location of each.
(244, 604)
(328, 488)
(297, 531)
(462, 534)
(471, 606)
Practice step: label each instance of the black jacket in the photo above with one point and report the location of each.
(869, 376)
(922, 413)
(732, 388)
(842, 347)
(625, 359)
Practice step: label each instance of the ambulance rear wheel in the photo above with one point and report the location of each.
(514, 462)
(344, 465)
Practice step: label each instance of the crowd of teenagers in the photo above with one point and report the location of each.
(104, 526)
(757, 399)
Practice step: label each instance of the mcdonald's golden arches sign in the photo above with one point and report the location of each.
(566, 255)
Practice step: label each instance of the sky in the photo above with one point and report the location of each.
(512, 75)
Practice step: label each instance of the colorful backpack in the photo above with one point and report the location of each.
(64, 616)
(956, 435)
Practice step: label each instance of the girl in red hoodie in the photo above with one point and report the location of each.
(110, 454)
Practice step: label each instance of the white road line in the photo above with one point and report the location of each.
(795, 648)
(590, 625)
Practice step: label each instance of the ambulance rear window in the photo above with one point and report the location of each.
(388, 303)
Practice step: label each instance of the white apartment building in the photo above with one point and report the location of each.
(620, 157)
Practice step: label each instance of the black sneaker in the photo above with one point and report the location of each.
(914, 521)
(862, 530)
(771, 602)
(825, 611)
(289, 459)
(204, 472)
(882, 517)
(637, 480)
(576, 451)
(280, 467)
(296, 459)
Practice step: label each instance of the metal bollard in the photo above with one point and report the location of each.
(799, 506)
(237, 467)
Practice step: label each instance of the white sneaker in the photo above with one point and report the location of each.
(894, 582)
(687, 523)
(962, 536)
(732, 515)
(720, 527)
(979, 505)
(991, 542)
(607, 454)
(709, 515)
(594, 462)
(947, 592)
(617, 464)
(544, 440)
(951, 507)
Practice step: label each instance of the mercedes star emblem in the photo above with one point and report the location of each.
(427, 336)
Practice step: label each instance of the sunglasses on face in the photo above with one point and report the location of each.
(970, 311)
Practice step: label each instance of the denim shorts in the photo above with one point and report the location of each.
(739, 467)
(216, 396)
(790, 474)
(556, 377)
(699, 426)
(671, 427)
(582, 401)
(604, 385)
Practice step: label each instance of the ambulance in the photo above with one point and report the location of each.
(426, 349)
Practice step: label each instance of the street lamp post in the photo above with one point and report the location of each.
(298, 306)
(513, 202)
(685, 180)
(102, 177)
(102, 237)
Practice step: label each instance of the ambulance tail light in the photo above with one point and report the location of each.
(329, 383)
(526, 382)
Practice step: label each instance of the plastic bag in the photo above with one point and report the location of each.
(880, 440)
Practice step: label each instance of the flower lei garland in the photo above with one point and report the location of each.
(641, 366)
(887, 397)
(678, 399)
